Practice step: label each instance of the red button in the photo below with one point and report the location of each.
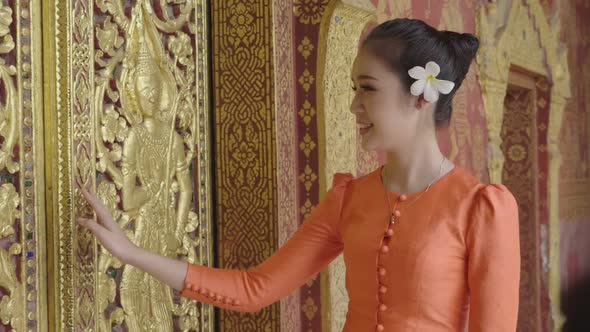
(382, 307)
(385, 249)
(382, 289)
(380, 327)
(389, 232)
(402, 198)
(381, 271)
(204, 292)
(397, 214)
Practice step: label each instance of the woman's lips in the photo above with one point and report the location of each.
(364, 127)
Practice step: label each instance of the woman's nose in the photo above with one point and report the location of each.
(355, 105)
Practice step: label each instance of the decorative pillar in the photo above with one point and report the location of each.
(558, 104)
(246, 92)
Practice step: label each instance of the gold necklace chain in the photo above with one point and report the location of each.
(392, 211)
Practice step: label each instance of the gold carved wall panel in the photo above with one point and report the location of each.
(23, 266)
(342, 27)
(126, 109)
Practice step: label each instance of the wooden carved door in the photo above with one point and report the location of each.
(114, 93)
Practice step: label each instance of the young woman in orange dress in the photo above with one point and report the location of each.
(427, 246)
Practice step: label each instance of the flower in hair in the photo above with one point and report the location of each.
(427, 83)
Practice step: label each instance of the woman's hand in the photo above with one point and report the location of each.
(106, 230)
(169, 271)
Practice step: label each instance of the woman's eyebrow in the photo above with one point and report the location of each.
(368, 77)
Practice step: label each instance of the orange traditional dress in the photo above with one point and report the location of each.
(451, 252)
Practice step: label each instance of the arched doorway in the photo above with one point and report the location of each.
(523, 110)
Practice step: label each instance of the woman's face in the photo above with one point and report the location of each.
(386, 113)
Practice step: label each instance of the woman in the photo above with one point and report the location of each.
(427, 247)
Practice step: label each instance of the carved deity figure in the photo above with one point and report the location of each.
(156, 186)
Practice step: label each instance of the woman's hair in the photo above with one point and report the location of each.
(405, 43)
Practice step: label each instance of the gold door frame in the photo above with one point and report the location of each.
(85, 42)
(518, 33)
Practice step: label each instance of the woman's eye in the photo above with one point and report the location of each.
(363, 88)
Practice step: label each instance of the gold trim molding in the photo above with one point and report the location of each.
(517, 33)
(342, 27)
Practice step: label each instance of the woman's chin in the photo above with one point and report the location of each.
(369, 144)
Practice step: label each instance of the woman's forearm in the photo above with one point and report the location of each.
(170, 271)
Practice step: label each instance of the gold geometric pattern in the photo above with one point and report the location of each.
(305, 48)
(309, 11)
(306, 80)
(307, 112)
(245, 117)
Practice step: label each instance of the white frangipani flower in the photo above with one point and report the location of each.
(427, 83)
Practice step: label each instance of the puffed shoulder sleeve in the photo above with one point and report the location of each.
(493, 261)
(313, 246)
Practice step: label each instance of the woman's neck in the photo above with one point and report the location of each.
(414, 169)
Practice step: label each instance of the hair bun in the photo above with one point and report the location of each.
(471, 42)
(465, 44)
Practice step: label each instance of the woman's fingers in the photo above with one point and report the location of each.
(100, 232)
(102, 212)
(94, 201)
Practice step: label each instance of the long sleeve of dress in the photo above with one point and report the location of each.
(313, 246)
(494, 261)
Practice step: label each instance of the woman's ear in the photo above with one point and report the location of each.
(420, 103)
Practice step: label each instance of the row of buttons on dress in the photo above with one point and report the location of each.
(215, 297)
(385, 250)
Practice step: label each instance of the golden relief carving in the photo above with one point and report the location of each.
(502, 26)
(22, 216)
(139, 112)
(141, 136)
(11, 304)
(340, 36)
(9, 115)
